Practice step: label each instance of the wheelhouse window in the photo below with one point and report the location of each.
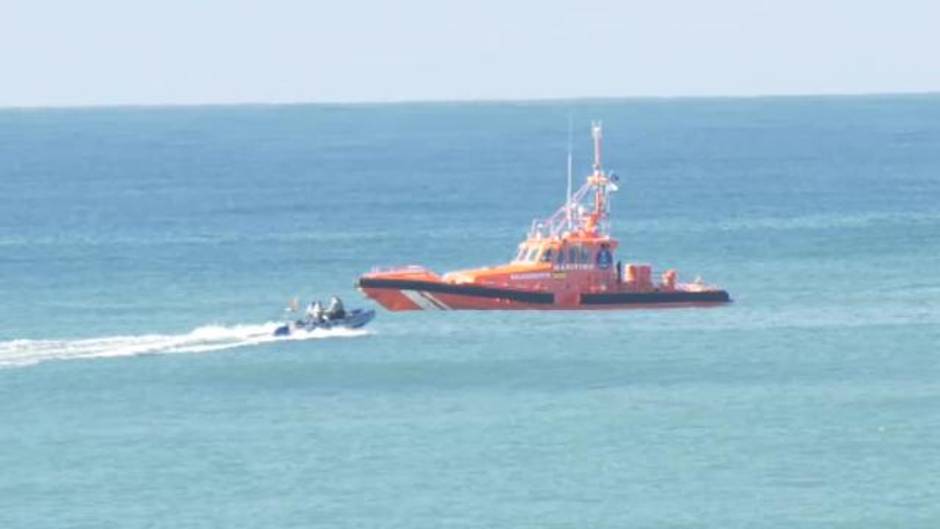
(576, 254)
(533, 253)
(586, 254)
(546, 256)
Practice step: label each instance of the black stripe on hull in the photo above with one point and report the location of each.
(640, 298)
(543, 298)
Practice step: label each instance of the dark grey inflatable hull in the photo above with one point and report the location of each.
(354, 319)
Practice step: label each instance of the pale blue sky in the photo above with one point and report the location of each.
(105, 52)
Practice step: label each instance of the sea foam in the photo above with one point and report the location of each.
(21, 352)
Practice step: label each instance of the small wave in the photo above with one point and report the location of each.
(19, 353)
(793, 223)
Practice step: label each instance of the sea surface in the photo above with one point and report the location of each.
(147, 253)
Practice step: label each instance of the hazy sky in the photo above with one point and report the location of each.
(220, 51)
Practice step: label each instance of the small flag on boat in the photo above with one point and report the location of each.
(293, 305)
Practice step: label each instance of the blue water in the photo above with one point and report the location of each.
(146, 252)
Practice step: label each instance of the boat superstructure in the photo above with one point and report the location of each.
(567, 262)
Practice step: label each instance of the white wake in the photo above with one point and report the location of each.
(18, 353)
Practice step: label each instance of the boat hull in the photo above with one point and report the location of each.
(409, 294)
(354, 319)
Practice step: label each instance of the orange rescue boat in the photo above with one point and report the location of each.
(566, 262)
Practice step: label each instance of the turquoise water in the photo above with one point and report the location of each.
(146, 252)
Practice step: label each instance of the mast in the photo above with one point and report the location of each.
(597, 134)
(573, 216)
(598, 177)
(568, 204)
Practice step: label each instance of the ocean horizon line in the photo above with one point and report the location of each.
(478, 101)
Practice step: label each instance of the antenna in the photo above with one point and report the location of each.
(598, 180)
(596, 132)
(568, 197)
